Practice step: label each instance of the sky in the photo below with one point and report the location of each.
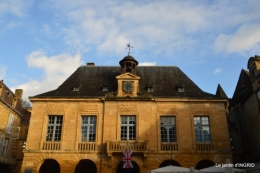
(43, 42)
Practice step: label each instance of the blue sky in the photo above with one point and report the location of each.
(43, 42)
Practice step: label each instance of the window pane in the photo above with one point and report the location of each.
(128, 128)
(202, 129)
(88, 129)
(168, 129)
(54, 128)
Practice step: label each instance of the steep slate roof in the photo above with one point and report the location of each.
(243, 89)
(220, 92)
(164, 79)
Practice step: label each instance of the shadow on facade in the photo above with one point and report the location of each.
(204, 164)
(86, 165)
(169, 162)
(50, 166)
(120, 168)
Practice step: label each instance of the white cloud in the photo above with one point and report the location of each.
(2, 71)
(163, 26)
(55, 69)
(15, 7)
(245, 38)
(218, 70)
(147, 64)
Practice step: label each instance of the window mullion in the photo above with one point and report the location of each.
(54, 128)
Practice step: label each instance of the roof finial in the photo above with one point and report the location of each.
(129, 47)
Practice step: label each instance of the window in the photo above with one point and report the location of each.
(181, 89)
(105, 88)
(5, 146)
(10, 124)
(128, 131)
(88, 128)
(150, 89)
(168, 129)
(75, 88)
(202, 130)
(54, 128)
(2, 145)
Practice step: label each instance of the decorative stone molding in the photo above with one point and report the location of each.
(55, 107)
(166, 108)
(88, 108)
(127, 107)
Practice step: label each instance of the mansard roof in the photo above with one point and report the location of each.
(165, 80)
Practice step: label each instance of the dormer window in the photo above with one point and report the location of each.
(181, 89)
(149, 89)
(105, 88)
(75, 88)
(8, 93)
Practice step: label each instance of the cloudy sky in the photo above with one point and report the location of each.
(43, 42)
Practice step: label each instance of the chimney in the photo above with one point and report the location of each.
(90, 64)
(19, 93)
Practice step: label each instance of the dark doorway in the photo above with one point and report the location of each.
(204, 164)
(50, 166)
(86, 166)
(169, 162)
(120, 168)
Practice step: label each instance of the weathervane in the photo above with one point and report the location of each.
(129, 47)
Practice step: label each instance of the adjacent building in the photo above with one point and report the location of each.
(244, 117)
(10, 116)
(99, 111)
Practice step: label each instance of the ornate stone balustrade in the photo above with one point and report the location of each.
(90, 146)
(201, 146)
(169, 146)
(51, 146)
(139, 145)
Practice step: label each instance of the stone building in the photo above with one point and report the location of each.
(99, 111)
(10, 116)
(244, 118)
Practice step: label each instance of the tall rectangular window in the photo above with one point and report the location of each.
(202, 129)
(2, 145)
(10, 124)
(54, 128)
(88, 128)
(168, 129)
(128, 128)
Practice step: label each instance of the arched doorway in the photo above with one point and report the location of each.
(86, 165)
(120, 168)
(50, 166)
(169, 162)
(204, 164)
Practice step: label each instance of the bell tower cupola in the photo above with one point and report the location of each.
(128, 64)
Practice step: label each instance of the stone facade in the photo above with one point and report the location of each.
(104, 154)
(10, 116)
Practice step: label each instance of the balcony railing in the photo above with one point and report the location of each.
(91, 146)
(51, 146)
(139, 145)
(169, 146)
(204, 146)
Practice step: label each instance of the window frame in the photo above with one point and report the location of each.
(168, 130)
(88, 127)
(54, 128)
(134, 137)
(201, 125)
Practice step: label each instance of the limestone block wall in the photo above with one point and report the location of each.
(108, 113)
